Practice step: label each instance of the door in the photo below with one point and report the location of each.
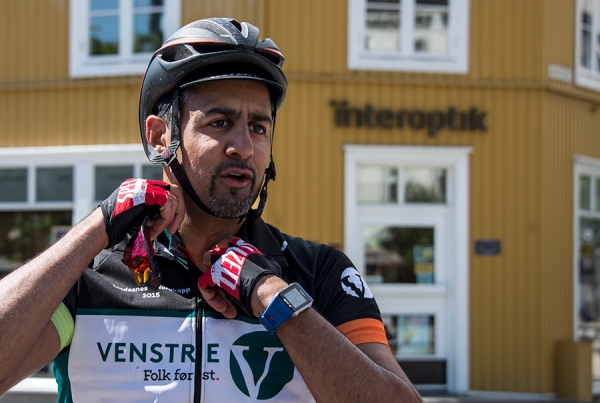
(405, 229)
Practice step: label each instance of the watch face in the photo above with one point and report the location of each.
(295, 298)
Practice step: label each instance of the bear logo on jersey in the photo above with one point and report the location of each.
(354, 284)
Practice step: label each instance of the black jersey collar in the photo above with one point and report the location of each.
(266, 238)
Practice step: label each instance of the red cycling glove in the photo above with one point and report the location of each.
(236, 270)
(127, 207)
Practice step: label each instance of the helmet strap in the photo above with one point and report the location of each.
(170, 152)
(187, 186)
(173, 162)
(270, 174)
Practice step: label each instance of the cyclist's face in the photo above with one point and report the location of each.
(225, 132)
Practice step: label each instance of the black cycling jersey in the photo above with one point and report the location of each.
(136, 344)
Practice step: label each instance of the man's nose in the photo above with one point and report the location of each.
(240, 144)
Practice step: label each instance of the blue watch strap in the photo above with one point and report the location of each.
(276, 313)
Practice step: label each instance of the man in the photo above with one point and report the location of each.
(190, 296)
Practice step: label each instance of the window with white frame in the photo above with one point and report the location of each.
(586, 273)
(587, 248)
(409, 35)
(48, 189)
(587, 44)
(400, 253)
(118, 37)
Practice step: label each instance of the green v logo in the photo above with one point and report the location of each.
(252, 388)
(259, 365)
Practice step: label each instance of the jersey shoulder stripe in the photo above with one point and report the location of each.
(361, 331)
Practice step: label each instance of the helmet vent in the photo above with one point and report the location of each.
(272, 56)
(175, 53)
(236, 24)
(211, 47)
(211, 26)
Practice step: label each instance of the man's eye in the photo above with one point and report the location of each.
(258, 129)
(219, 123)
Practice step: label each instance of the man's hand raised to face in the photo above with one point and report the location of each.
(234, 269)
(135, 199)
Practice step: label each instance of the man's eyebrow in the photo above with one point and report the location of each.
(221, 110)
(261, 117)
(230, 112)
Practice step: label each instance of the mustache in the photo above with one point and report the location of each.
(233, 164)
(227, 165)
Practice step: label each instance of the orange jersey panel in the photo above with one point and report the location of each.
(363, 331)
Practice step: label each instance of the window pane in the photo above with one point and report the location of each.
(586, 38)
(54, 184)
(431, 26)
(589, 278)
(382, 32)
(110, 178)
(584, 192)
(14, 184)
(147, 3)
(148, 32)
(586, 44)
(597, 52)
(377, 184)
(410, 334)
(597, 203)
(588, 324)
(24, 234)
(96, 5)
(399, 254)
(104, 35)
(425, 185)
(152, 172)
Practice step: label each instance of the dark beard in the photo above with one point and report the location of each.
(232, 205)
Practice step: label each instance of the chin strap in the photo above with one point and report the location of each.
(269, 175)
(169, 156)
(187, 186)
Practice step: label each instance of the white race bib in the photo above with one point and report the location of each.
(122, 356)
(242, 362)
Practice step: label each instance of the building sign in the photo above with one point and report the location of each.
(388, 118)
(487, 247)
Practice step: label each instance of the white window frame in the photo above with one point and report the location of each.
(423, 296)
(456, 287)
(83, 159)
(588, 77)
(589, 167)
(456, 61)
(81, 64)
(586, 166)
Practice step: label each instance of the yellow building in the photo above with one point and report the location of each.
(450, 148)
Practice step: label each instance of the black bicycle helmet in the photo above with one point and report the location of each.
(207, 50)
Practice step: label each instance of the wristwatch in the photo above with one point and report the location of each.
(288, 303)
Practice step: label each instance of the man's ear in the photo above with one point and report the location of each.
(157, 134)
